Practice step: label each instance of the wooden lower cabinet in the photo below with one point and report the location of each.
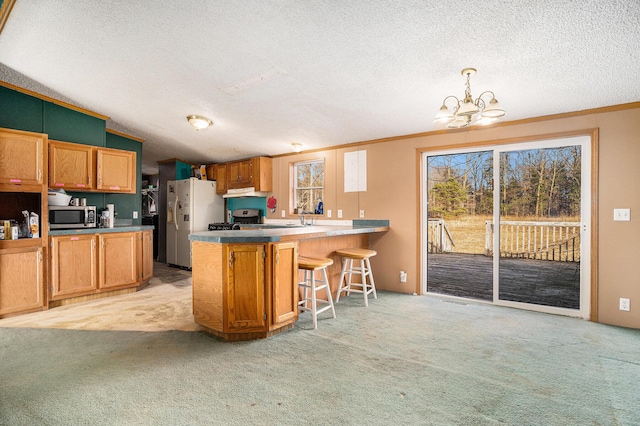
(118, 262)
(245, 287)
(284, 278)
(21, 280)
(147, 256)
(74, 266)
(244, 291)
(84, 265)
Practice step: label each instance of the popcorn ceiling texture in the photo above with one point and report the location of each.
(323, 73)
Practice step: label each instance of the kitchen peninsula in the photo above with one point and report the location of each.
(245, 282)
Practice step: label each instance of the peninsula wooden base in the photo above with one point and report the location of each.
(238, 337)
(245, 283)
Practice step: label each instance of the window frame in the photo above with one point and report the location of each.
(294, 186)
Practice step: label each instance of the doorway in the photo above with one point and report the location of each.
(508, 224)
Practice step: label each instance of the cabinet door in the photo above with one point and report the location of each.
(220, 171)
(262, 173)
(71, 165)
(116, 170)
(147, 255)
(74, 266)
(21, 157)
(284, 281)
(21, 280)
(118, 260)
(239, 174)
(245, 287)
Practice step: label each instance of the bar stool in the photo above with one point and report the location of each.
(364, 270)
(311, 287)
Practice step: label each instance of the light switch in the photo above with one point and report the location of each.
(135, 214)
(282, 214)
(622, 215)
(329, 214)
(339, 214)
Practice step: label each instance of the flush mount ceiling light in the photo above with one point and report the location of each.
(297, 147)
(469, 111)
(199, 122)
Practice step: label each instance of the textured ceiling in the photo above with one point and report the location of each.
(320, 73)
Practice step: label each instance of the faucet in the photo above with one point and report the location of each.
(301, 219)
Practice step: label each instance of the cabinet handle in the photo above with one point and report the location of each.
(277, 257)
(89, 176)
(231, 260)
(103, 243)
(39, 175)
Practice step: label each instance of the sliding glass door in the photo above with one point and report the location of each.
(508, 225)
(460, 204)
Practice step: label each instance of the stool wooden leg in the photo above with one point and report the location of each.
(349, 273)
(314, 301)
(373, 284)
(341, 287)
(363, 274)
(328, 290)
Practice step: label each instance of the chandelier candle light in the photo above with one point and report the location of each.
(469, 111)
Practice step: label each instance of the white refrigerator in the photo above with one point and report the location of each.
(192, 204)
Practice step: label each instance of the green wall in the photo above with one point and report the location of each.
(63, 124)
(20, 111)
(248, 203)
(24, 112)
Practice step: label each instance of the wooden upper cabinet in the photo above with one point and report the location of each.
(255, 172)
(239, 174)
(116, 170)
(71, 165)
(220, 176)
(21, 157)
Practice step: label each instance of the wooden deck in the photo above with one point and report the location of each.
(539, 282)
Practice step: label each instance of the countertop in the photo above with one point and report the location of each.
(274, 233)
(127, 228)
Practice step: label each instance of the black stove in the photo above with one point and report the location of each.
(240, 216)
(223, 226)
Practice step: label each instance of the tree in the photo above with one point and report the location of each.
(448, 198)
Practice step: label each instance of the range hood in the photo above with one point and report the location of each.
(245, 192)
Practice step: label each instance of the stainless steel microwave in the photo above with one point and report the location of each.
(72, 217)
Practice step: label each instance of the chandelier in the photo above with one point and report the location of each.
(469, 111)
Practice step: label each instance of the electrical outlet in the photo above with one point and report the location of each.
(282, 214)
(339, 214)
(329, 214)
(361, 214)
(135, 214)
(623, 215)
(403, 277)
(625, 304)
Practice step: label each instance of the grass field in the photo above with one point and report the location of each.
(468, 232)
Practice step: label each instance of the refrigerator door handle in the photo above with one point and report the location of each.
(176, 215)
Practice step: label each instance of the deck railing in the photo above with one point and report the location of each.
(439, 238)
(559, 241)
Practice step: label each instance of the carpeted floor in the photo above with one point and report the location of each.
(404, 360)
